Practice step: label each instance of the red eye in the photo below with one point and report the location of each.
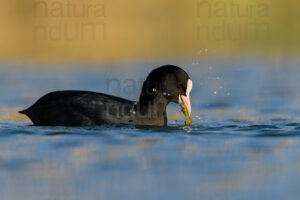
(179, 84)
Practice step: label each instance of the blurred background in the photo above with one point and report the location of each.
(103, 31)
(111, 46)
(243, 58)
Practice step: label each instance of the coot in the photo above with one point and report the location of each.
(83, 108)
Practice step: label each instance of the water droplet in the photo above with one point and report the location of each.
(198, 117)
(154, 90)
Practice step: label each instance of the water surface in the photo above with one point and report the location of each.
(244, 143)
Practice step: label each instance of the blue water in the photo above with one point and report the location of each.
(244, 144)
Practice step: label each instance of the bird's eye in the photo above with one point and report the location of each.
(179, 84)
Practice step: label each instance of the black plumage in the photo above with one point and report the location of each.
(83, 108)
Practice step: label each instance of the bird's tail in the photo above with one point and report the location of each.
(23, 112)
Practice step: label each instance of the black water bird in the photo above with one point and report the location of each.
(83, 108)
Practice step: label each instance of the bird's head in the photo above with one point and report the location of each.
(171, 83)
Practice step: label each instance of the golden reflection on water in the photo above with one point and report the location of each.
(10, 114)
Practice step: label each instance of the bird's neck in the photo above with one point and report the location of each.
(152, 108)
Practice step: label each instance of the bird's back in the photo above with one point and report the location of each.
(78, 108)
